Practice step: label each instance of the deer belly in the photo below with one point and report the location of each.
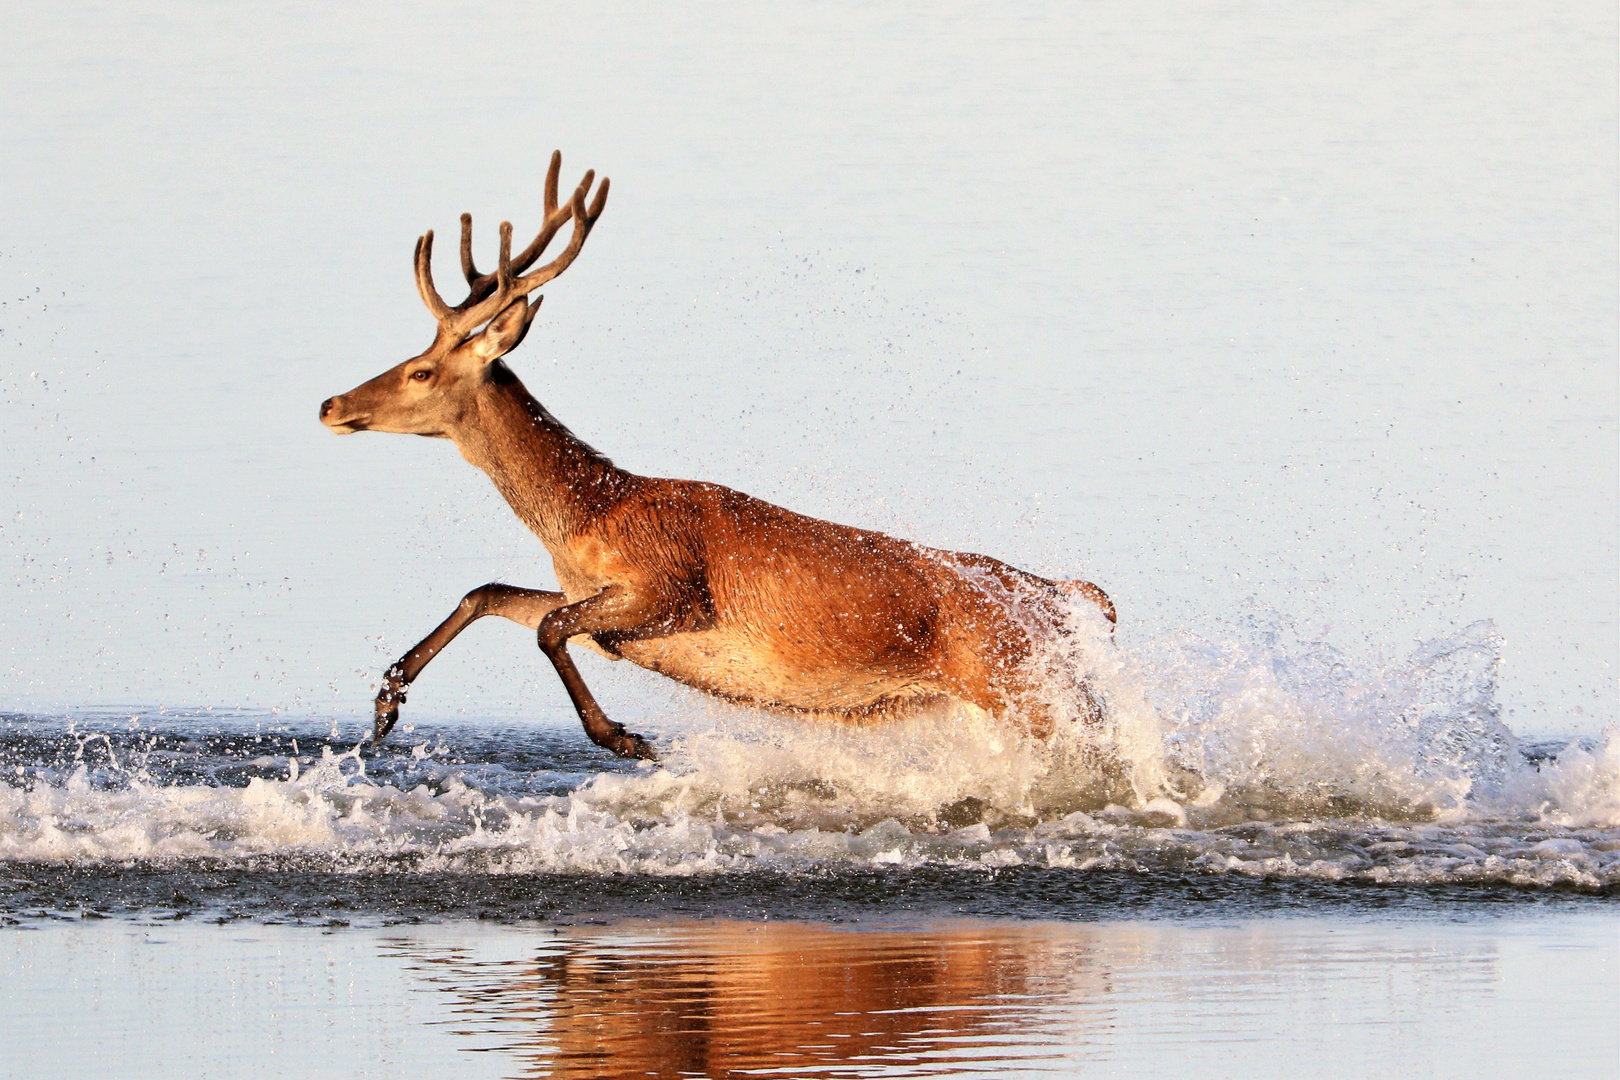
(734, 666)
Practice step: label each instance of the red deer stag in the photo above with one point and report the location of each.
(711, 587)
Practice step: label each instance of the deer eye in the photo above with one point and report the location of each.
(422, 375)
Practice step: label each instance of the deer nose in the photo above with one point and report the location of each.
(326, 407)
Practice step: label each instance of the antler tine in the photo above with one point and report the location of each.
(600, 202)
(492, 292)
(479, 285)
(503, 268)
(552, 172)
(468, 270)
(555, 218)
(582, 227)
(424, 278)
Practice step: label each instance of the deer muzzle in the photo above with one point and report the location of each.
(339, 418)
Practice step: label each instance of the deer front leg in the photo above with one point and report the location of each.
(615, 614)
(525, 606)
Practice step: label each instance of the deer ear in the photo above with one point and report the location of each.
(505, 331)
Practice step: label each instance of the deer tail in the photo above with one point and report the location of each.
(1092, 593)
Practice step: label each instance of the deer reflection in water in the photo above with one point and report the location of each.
(776, 999)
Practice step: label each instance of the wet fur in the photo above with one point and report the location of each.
(760, 604)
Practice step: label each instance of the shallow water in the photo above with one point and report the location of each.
(1421, 797)
(1367, 869)
(1524, 996)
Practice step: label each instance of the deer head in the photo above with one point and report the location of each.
(430, 393)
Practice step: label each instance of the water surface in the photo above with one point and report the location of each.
(1523, 996)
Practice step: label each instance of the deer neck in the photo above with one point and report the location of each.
(553, 480)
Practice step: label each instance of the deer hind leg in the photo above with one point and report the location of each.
(1036, 706)
(1040, 711)
(1009, 684)
(525, 606)
(611, 616)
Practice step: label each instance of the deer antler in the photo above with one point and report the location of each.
(489, 294)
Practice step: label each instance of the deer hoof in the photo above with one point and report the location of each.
(630, 745)
(384, 724)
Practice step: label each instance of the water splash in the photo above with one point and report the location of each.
(1259, 757)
